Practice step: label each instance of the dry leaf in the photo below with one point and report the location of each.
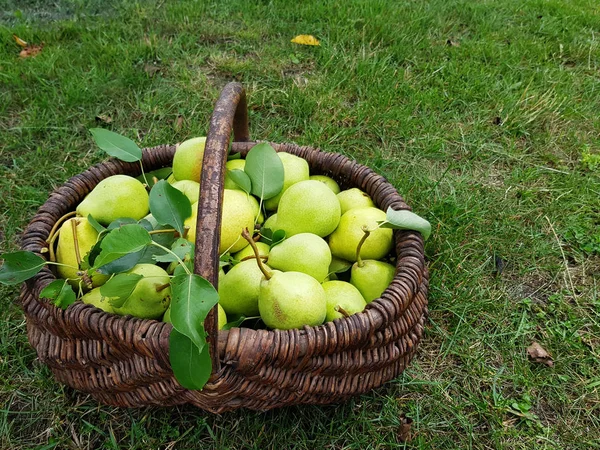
(536, 353)
(31, 50)
(178, 123)
(404, 434)
(306, 39)
(452, 43)
(104, 118)
(20, 42)
(151, 69)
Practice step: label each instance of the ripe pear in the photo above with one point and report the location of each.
(371, 277)
(271, 222)
(295, 169)
(308, 207)
(67, 252)
(344, 240)
(238, 214)
(187, 161)
(354, 198)
(190, 188)
(291, 300)
(342, 296)
(221, 316)
(234, 164)
(94, 297)
(304, 252)
(115, 197)
(248, 252)
(152, 295)
(329, 182)
(239, 289)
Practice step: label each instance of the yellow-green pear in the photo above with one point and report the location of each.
(354, 198)
(187, 161)
(304, 252)
(191, 189)
(239, 289)
(271, 222)
(328, 181)
(342, 298)
(238, 214)
(258, 214)
(371, 277)
(290, 300)
(95, 298)
(234, 164)
(308, 207)
(75, 239)
(151, 296)
(248, 252)
(344, 240)
(221, 316)
(295, 169)
(115, 197)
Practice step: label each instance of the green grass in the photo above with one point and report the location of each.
(480, 113)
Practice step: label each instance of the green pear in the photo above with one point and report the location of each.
(115, 197)
(248, 252)
(239, 288)
(290, 300)
(304, 252)
(187, 161)
(190, 188)
(342, 298)
(371, 277)
(151, 296)
(295, 169)
(98, 300)
(238, 214)
(354, 198)
(308, 207)
(258, 215)
(271, 222)
(221, 316)
(171, 179)
(234, 164)
(73, 246)
(329, 182)
(346, 237)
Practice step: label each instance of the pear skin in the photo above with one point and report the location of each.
(342, 296)
(234, 164)
(94, 297)
(328, 181)
(150, 298)
(354, 198)
(187, 161)
(304, 252)
(295, 169)
(372, 278)
(239, 289)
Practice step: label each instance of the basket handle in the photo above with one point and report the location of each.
(230, 113)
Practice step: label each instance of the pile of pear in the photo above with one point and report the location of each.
(314, 275)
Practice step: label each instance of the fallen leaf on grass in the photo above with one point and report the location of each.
(404, 434)
(306, 39)
(31, 50)
(178, 123)
(104, 118)
(151, 69)
(536, 353)
(452, 43)
(20, 42)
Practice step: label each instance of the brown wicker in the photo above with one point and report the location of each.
(124, 361)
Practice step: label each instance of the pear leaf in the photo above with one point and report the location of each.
(406, 220)
(122, 241)
(191, 366)
(169, 205)
(241, 178)
(94, 223)
(232, 156)
(122, 264)
(179, 270)
(265, 170)
(277, 237)
(116, 145)
(119, 288)
(181, 247)
(236, 322)
(339, 265)
(227, 260)
(60, 292)
(19, 266)
(158, 174)
(192, 297)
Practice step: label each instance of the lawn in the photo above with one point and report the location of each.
(484, 115)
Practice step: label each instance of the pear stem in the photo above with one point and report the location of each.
(342, 311)
(144, 175)
(359, 260)
(58, 223)
(246, 235)
(167, 230)
(163, 287)
(76, 242)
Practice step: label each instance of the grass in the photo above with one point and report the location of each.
(483, 114)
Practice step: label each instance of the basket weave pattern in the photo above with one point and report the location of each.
(124, 361)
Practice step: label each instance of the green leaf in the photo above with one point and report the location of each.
(120, 242)
(118, 223)
(191, 367)
(241, 178)
(114, 144)
(192, 297)
(237, 322)
(339, 265)
(265, 170)
(179, 270)
(181, 247)
(122, 264)
(60, 292)
(94, 223)
(233, 156)
(277, 238)
(119, 288)
(406, 220)
(159, 174)
(169, 205)
(19, 266)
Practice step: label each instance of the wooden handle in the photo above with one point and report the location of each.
(230, 113)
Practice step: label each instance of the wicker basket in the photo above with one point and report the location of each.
(124, 361)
